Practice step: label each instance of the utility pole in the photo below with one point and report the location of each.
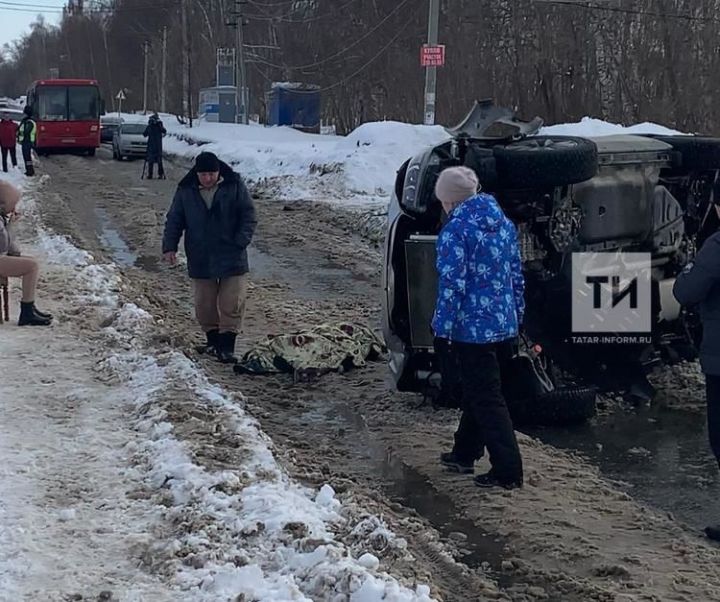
(431, 72)
(163, 83)
(241, 72)
(186, 58)
(189, 80)
(146, 48)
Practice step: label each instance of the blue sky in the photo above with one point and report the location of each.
(16, 16)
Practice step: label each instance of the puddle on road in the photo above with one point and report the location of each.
(409, 487)
(663, 455)
(118, 249)
(405, 485)
(112, 241)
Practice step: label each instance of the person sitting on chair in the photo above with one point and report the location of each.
(13, 265)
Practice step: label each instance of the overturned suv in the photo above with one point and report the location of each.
(632, 193)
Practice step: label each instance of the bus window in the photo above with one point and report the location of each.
(83, 103)
(52, 103)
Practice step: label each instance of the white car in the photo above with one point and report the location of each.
(128, 141)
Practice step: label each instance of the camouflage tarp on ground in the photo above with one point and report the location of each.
(309, 353)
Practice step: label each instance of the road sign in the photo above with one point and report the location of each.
(432, 56)
(120, 95)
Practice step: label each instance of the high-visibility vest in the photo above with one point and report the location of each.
(23, 128)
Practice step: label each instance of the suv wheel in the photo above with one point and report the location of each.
(566, 406)
(545, 161)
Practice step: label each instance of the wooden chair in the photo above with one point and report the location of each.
(4, 300)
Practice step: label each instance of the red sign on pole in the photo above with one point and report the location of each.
(432, 56)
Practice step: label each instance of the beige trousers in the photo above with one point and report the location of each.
(220, 304)
(21, 267)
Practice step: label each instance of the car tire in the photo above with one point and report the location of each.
(566, 406)
(697, 153)
(545, 162)
(91, 152)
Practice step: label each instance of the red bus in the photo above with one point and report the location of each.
(67, 113)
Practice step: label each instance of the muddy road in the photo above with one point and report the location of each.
(568, 535)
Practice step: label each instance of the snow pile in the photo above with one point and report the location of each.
(358, 168)
(255, 532)
(590, 127)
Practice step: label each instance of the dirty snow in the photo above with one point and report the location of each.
(87, 425)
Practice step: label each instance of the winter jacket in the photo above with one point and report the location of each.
(7, 244)
(27, 131)
(699, 285)
(216, 238)
(481, 286)
(154, 132)
(8, 132)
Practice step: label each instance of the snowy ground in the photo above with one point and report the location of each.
(97, 487)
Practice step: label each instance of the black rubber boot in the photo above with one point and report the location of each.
(29, 171)
(30, 317)
(210, 346)
(713, 532)
(226, 348)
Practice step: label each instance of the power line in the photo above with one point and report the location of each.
(286, 19)
(344, 49)
(629, 11)
(7, 5)
(354, 74)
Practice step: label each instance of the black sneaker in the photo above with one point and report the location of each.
(489, 480)
(713, 532)
(455, 464)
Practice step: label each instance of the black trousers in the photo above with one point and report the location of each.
(13, 157)
(27, 157)
(485, 422)
(151, 166)
(712, 388)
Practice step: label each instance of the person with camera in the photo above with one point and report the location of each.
(154, 132)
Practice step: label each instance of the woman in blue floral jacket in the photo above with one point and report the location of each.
(479, 310)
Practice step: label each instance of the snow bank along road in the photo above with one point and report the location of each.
(140, 470)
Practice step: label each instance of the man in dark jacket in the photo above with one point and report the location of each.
(154, 132)
(214, 210)
(699, 285)
(26, 136)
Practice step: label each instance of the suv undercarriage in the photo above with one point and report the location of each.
(630, 193)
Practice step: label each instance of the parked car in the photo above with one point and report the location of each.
(128, 141)
(108, 126)
(650, 194)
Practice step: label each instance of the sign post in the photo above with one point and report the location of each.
(432, 56)
(430, 64)
(120, 97)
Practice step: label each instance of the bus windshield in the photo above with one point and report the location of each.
(68, 103)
